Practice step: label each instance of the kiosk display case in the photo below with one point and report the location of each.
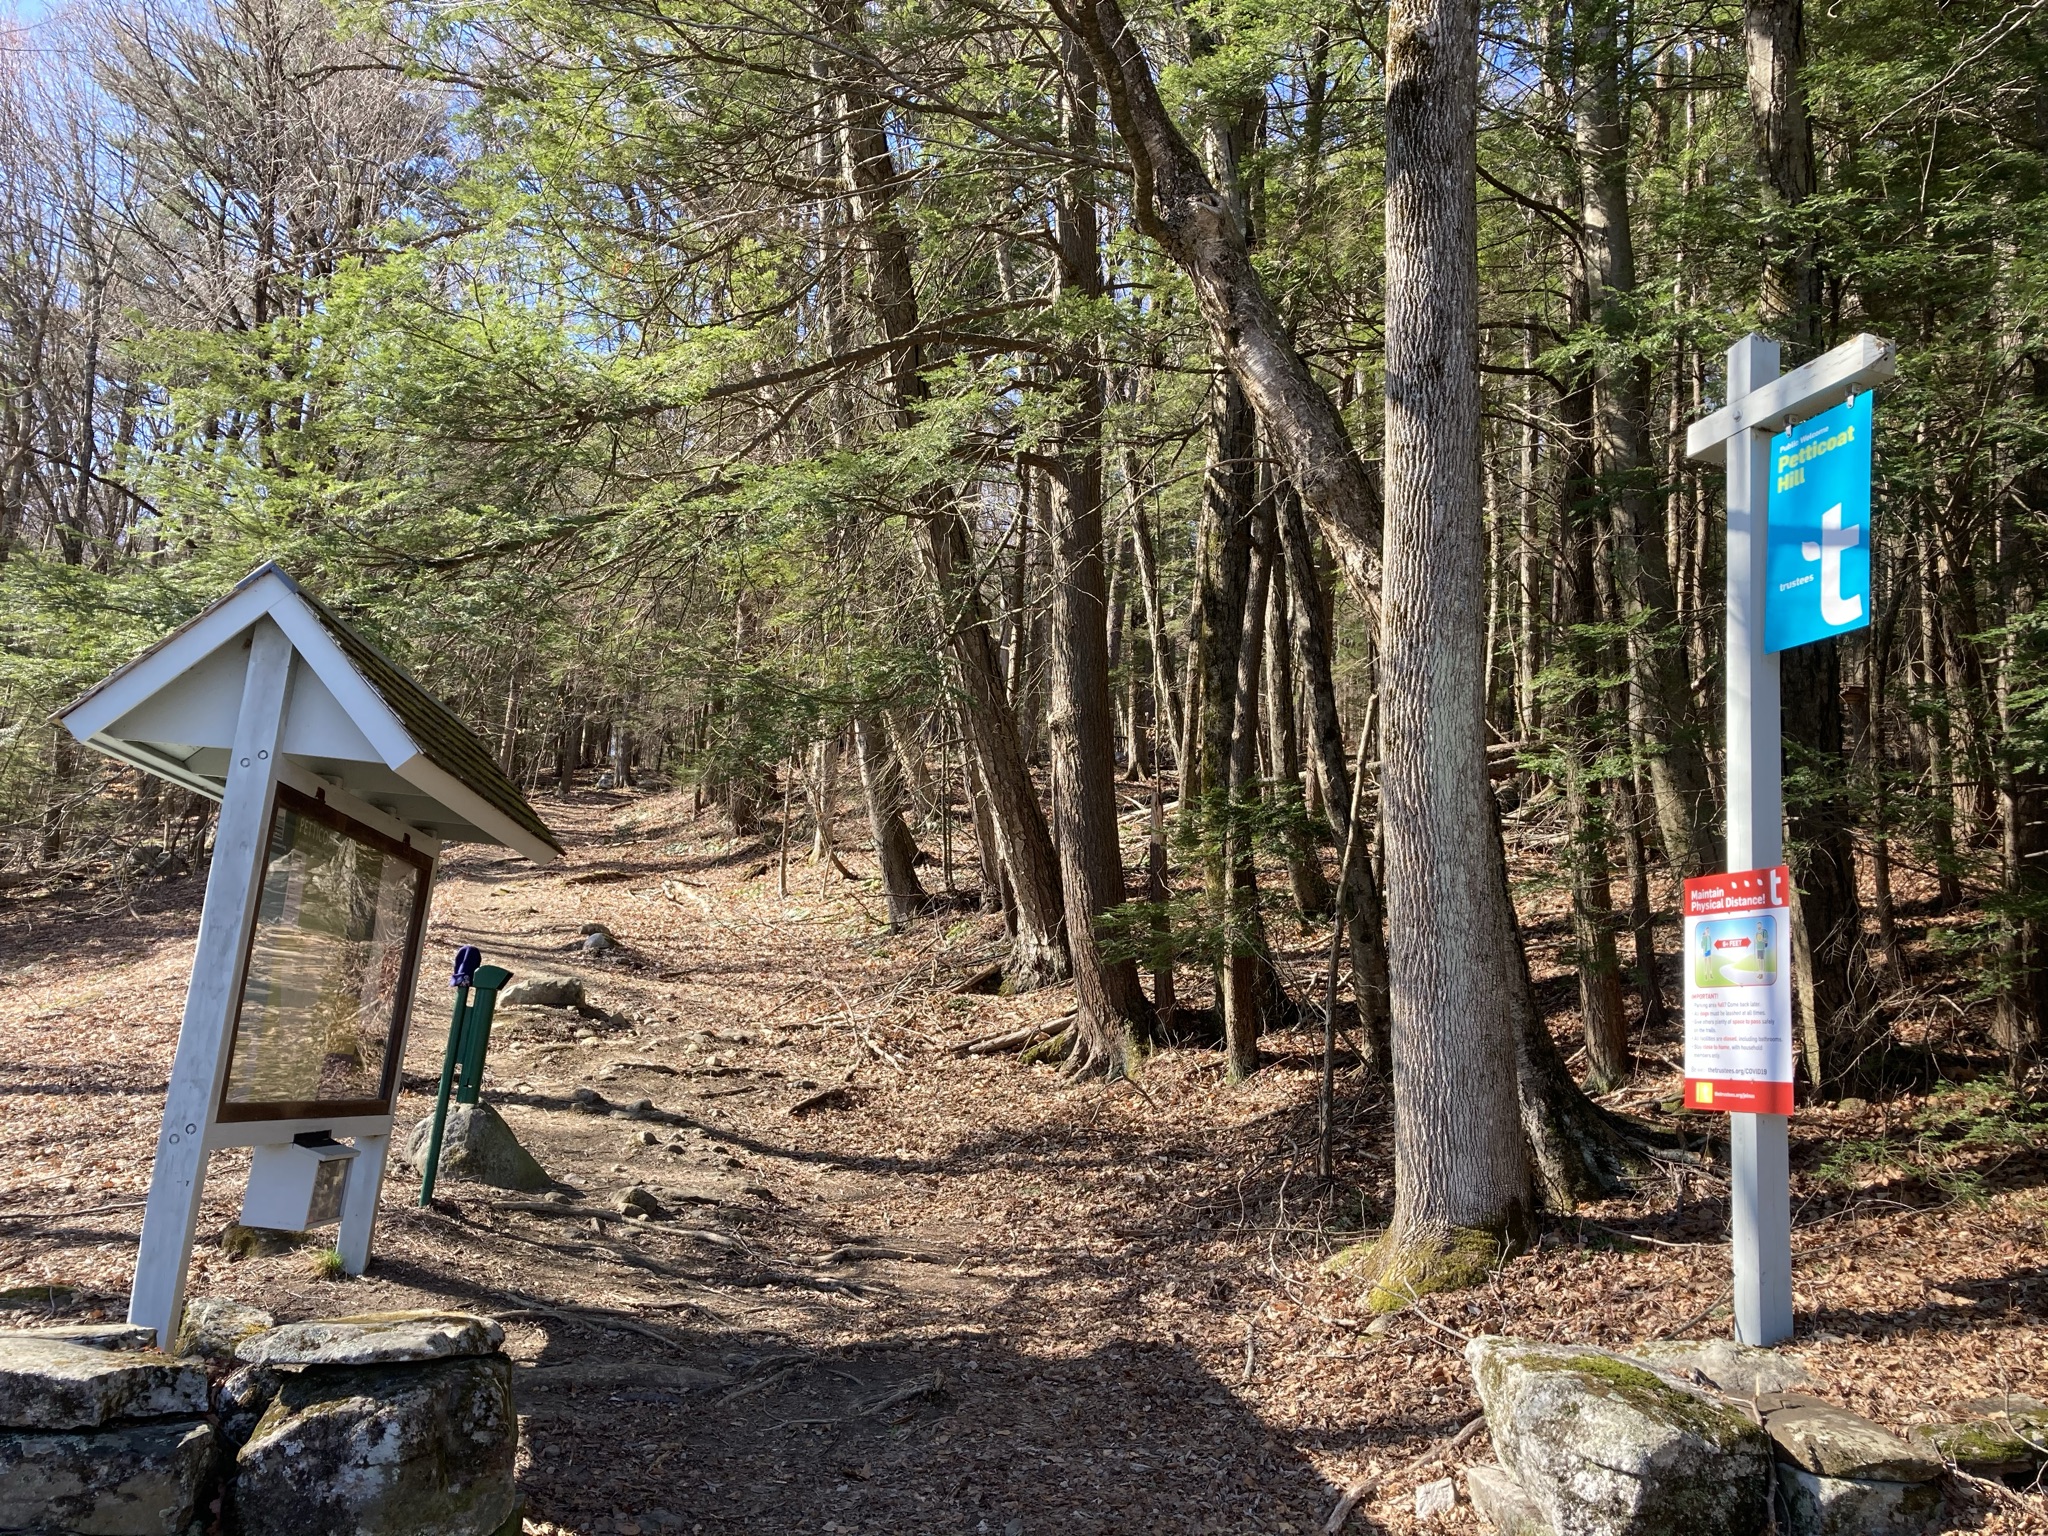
(340, 779)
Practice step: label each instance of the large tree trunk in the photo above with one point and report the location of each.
(1460, 1164)
(1670, 726)
(881, 784)
(1038, 952)
(1112, 1016)
(1602, 1012)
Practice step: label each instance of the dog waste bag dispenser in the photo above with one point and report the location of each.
(340, 780)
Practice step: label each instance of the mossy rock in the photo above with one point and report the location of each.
(45, 1297)
(1995, 1437)
(1603, 1444)
(240, 1242)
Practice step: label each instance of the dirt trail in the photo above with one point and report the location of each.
(953, 1296)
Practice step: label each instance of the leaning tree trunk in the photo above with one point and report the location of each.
(1112, 1018)
(1177, 205)
(1461, 1171)
(881, 784)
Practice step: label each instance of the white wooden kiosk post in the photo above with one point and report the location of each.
(1762, 402)
(318, 747)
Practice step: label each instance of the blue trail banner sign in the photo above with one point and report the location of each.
(1817, 580)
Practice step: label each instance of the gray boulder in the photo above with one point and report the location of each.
(375, 1338)
(56, 1384)
(1500, 1502)
(132, 1480)
(1603, 1446)
(1735, 1369)
(420, 1450)
(214, 1325)
(1830, 1441)
(477, 1144)
(544, 992)
(638, 1201)
(1853, 1506)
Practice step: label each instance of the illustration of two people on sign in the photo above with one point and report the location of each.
(1736, 952)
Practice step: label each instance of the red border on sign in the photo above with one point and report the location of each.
(1738, 1098)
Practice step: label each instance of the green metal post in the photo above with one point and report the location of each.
(455, 1032)
(476, 1037)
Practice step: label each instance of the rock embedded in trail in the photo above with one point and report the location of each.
(477, 1144)
(1501, 1503)
(1603, 1446)
(638, 1202)
(1842, 1475)
(1850, 1506)
(1736, 1369)
(1990, 1437)
(375, 1338)
(1435, 1500)
(99, 1435)
(1834, 1442)
(91, 1335)
(543, 992)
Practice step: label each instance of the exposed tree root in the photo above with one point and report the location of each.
(1054, 1050)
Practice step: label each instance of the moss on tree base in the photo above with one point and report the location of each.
(1407, 1268)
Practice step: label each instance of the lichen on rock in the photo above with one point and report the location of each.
(1602, 1444)
(415, 1450)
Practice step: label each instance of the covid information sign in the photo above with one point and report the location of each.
(1738, 992)
(1818, 571)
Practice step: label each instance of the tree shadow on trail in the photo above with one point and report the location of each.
(907, 1436)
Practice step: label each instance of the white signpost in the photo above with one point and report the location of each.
(1762, 402)
(339, 781)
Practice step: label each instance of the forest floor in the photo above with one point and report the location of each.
(959, 1295)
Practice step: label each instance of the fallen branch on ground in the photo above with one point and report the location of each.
(1013, 1039)
(854, 1252)
(926, 1386)
(1365, 1488)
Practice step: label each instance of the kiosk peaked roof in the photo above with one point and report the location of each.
(367, 719)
